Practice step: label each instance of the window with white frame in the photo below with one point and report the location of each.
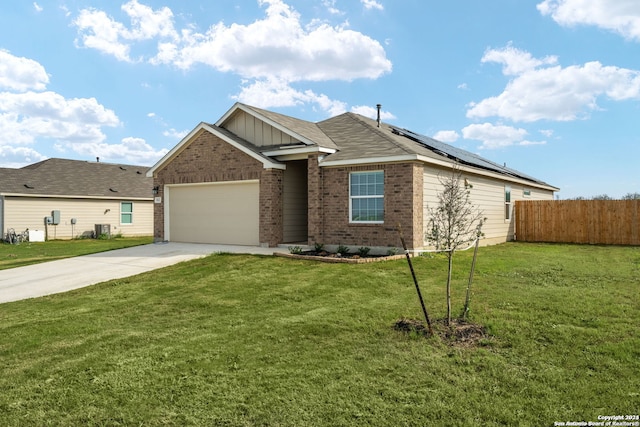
(526, 192)
(126, 213)
(366, 197)
(507, 202)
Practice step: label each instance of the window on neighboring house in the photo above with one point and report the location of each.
(126, 213)
(366, 197)
(526, 192)
(507, 202)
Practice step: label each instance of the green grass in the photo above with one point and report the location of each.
(12, 256)
(236, 340)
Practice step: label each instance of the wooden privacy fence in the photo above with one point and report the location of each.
(609, 222)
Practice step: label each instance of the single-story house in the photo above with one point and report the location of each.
(65, 199)
(256, 177)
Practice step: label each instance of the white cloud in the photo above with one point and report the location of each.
(37, 7)
(542, 91)
(277, 48)
(99, 31)
(372, 112)
(147, 23)
(20, 74)
(130, 150)
(497, 136)
(371, 4)
(27, 116)
(172, 133)
(546, 132)
(447, 136)
(278, 93)
(516, 61)
(17, 157)
(331, 7)
(619, 16)
(66, 10)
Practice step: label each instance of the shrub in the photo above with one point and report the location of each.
(296, 250)
(363, 250)
(318, 247)
(342, 250)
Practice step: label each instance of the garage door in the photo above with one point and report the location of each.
(225, 213)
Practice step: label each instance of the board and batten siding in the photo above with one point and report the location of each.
(488, 195)
(21, 213)
(295, 203)
(256, 131)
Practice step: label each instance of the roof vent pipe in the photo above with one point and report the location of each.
(378, 106)
(97, 159)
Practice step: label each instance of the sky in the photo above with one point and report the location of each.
(548, 87)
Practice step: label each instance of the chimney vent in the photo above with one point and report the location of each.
(378, 106)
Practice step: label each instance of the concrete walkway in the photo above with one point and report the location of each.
(72, 273)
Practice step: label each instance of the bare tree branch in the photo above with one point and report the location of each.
(454, 221)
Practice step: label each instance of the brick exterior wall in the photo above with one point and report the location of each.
(315, 215)
(210, 159)
(402, 205)
(271, 203)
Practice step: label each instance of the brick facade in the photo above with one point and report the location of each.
(402, 205)
(315, 214)
(210, 159)
(271, 226)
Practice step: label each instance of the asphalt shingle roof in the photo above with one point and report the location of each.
(359, 138)
(62, 177)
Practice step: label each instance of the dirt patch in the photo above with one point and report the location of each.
(459, 333)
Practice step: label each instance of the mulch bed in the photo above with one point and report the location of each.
(459, 333)
(350, 258)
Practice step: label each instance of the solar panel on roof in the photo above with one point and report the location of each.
(460, 155)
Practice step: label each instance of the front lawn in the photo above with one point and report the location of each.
(26, 253)
(237, 340)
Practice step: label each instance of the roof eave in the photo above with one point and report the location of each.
(284, 154)
(436, 162)
(77, 196)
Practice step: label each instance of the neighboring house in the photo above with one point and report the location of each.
(259, 177)
(75, 196)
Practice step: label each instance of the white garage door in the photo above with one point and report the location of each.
(226, 213)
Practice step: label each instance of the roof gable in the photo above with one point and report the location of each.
(299, 130)
(221, 133)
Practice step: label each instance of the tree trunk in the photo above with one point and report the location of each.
(467, 301)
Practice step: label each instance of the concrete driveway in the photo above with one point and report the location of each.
(64, 275)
